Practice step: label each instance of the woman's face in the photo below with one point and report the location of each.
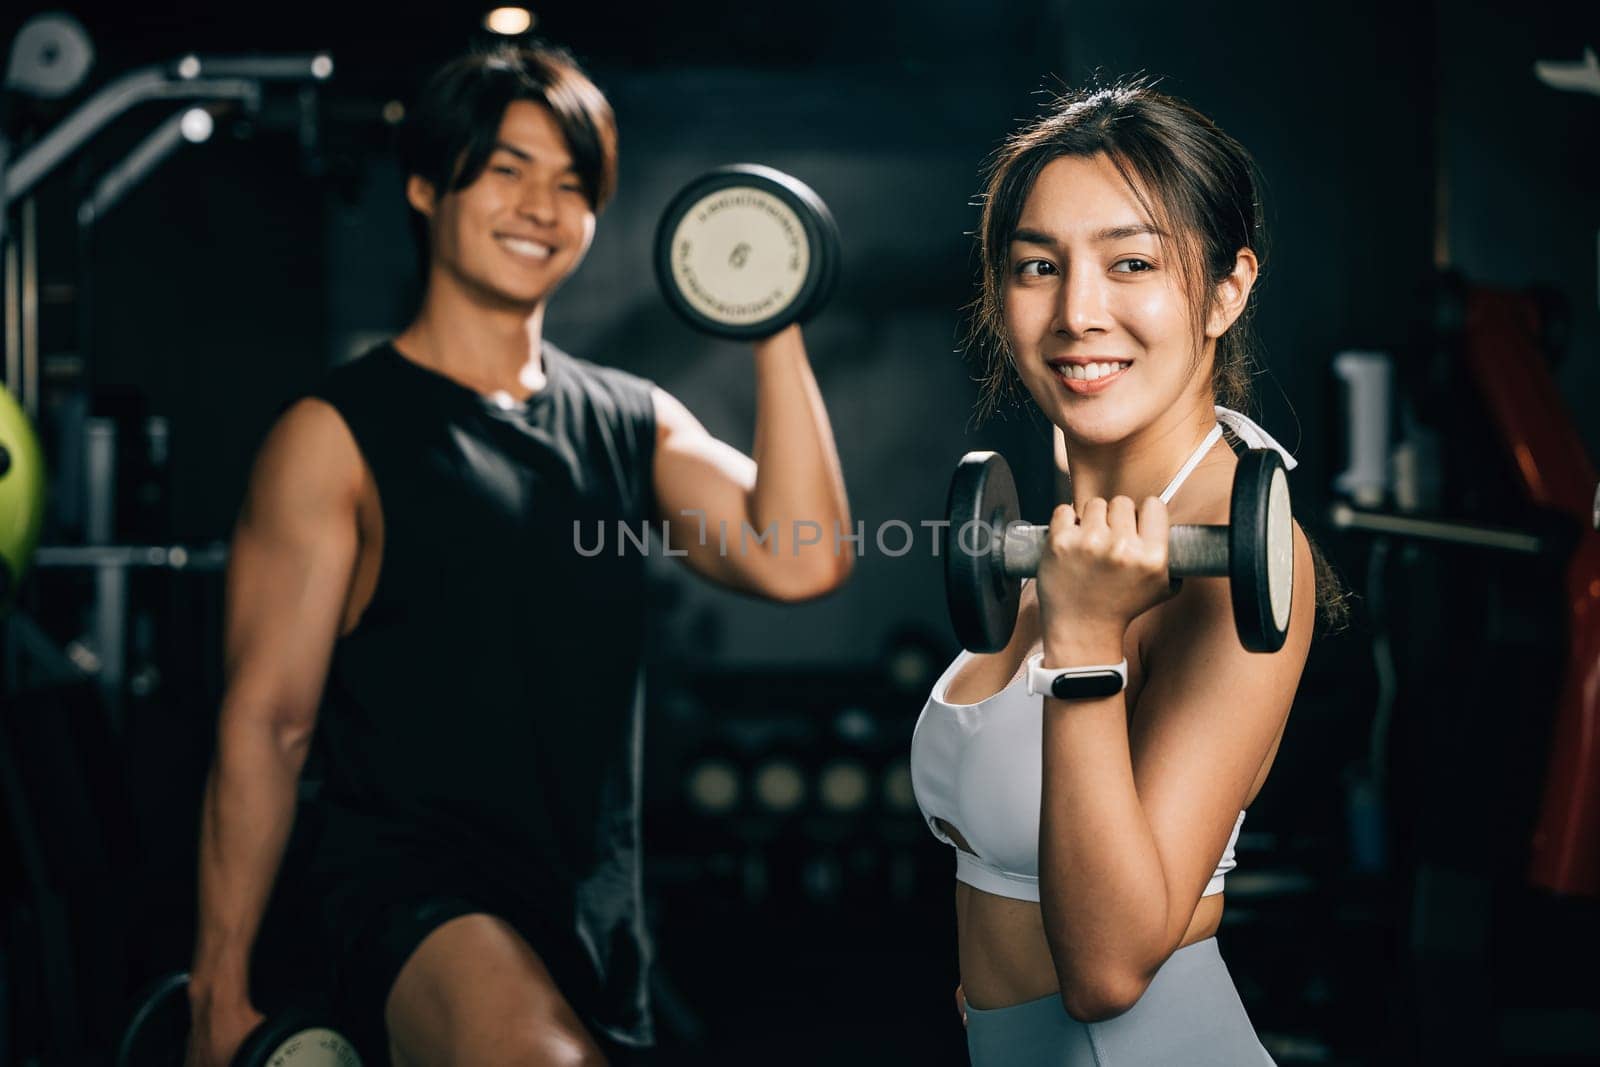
(1095, 312)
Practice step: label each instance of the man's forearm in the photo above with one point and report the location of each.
(798, 477)
(248, 812)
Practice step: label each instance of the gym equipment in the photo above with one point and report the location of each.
(1366, 377)
(208, 557)
(300, 1037)
(50, 56)
(745, 250)
(21, 495)
(189, 78)
(1513, 377)
(1471, 535)
(988, 551)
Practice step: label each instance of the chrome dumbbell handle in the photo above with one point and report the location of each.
(1193, 551)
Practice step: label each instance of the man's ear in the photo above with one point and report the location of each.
(420, 194)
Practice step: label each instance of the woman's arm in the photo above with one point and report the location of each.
(1134, 817)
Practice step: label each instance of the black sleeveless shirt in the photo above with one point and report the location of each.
(481, 725)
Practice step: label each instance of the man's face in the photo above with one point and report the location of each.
(518, 231)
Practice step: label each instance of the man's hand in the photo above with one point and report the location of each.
(217, 1028)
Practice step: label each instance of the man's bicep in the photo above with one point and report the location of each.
(294, 551)
(698, 479)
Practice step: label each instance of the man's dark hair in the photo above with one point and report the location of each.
(450, 132)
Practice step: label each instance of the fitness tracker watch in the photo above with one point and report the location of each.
(1076, 683)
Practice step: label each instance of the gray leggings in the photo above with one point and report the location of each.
(1190, 1014)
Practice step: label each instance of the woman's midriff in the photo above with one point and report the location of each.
(1005, 958)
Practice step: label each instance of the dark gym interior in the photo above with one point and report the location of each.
(1431, 331)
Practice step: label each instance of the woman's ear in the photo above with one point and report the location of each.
(1232, 293)
(420, 194)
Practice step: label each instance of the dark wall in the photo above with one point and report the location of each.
(225, 282)
(1521, 197)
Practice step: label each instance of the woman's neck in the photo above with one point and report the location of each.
(1142, 465)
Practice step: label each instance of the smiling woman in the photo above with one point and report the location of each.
(1120, 245)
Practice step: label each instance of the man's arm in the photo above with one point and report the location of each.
(294, 551)
(771, 524)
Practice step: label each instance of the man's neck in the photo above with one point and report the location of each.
(493, 348)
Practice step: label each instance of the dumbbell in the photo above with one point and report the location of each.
(298, 1037)
(745, 250)
(988, 551)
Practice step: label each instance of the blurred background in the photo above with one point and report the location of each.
(1417, 883)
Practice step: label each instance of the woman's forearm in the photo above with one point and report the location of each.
(1102, 887)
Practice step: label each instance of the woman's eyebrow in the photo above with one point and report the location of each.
(1122, 233)
(1110, 233)
(1032, 237)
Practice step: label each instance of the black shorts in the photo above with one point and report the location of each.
(373, 926)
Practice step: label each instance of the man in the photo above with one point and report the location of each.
(405, 561)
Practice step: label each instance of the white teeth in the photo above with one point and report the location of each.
(532, 249)
(1090, 372)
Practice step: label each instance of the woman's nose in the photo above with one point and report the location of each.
(1082, 305)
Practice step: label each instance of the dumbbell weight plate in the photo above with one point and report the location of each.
(1261, 551)
(982, 600)
(744, 251)
(829, 250)
(296, 1039)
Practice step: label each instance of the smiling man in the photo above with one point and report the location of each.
(404, 585)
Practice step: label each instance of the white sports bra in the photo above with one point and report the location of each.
(979, 766)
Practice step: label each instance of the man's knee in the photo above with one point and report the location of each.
(550, 1047)
(521, 1046)
(475, 993)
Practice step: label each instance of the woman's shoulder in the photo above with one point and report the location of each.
(1206, 495)
(1206, 499)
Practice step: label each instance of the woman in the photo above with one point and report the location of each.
(1120, 246)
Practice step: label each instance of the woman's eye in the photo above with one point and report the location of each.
(510, 172)
(1034, 268)
(1134, 265)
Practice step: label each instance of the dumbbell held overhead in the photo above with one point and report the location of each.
(988, 550)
